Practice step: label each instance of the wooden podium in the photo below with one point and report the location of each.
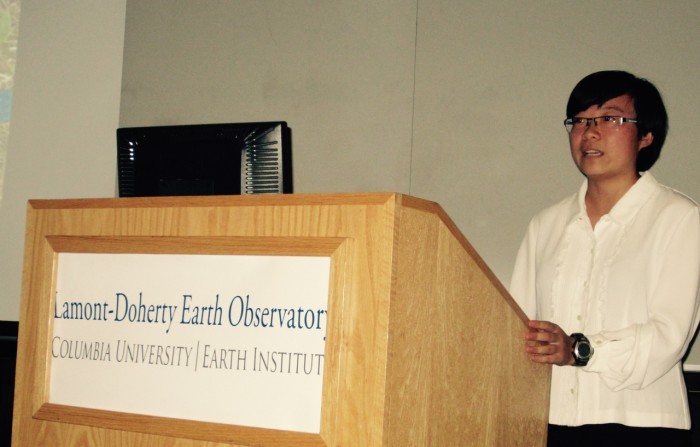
(424, 346)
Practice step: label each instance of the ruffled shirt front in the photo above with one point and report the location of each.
(631, 286)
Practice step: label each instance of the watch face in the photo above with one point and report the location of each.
(584, 350)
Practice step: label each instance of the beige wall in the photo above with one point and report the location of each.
(460, 102)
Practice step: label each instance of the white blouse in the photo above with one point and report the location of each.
(631, 286)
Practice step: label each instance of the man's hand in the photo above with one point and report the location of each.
(548, 343)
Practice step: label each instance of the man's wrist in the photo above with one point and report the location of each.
(572, 360)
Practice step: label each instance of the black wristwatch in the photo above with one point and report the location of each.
(581, 349)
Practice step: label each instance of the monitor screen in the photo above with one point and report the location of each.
(204, 159)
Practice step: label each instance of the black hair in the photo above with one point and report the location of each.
(600, 87)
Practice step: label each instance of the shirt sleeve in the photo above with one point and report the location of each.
(636, 356)
(523, 279)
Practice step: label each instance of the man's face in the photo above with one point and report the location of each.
(608, 152)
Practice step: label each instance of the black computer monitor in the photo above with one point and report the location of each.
(204, 159)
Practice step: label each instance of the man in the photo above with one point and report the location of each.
(610, 276)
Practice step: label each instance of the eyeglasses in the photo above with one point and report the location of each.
(579, 123)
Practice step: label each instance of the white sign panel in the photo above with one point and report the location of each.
(215, 338)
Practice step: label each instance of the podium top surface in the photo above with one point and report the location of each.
(237, 200)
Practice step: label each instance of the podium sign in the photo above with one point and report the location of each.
(214, 338)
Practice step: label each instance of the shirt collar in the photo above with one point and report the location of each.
(626, 208)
